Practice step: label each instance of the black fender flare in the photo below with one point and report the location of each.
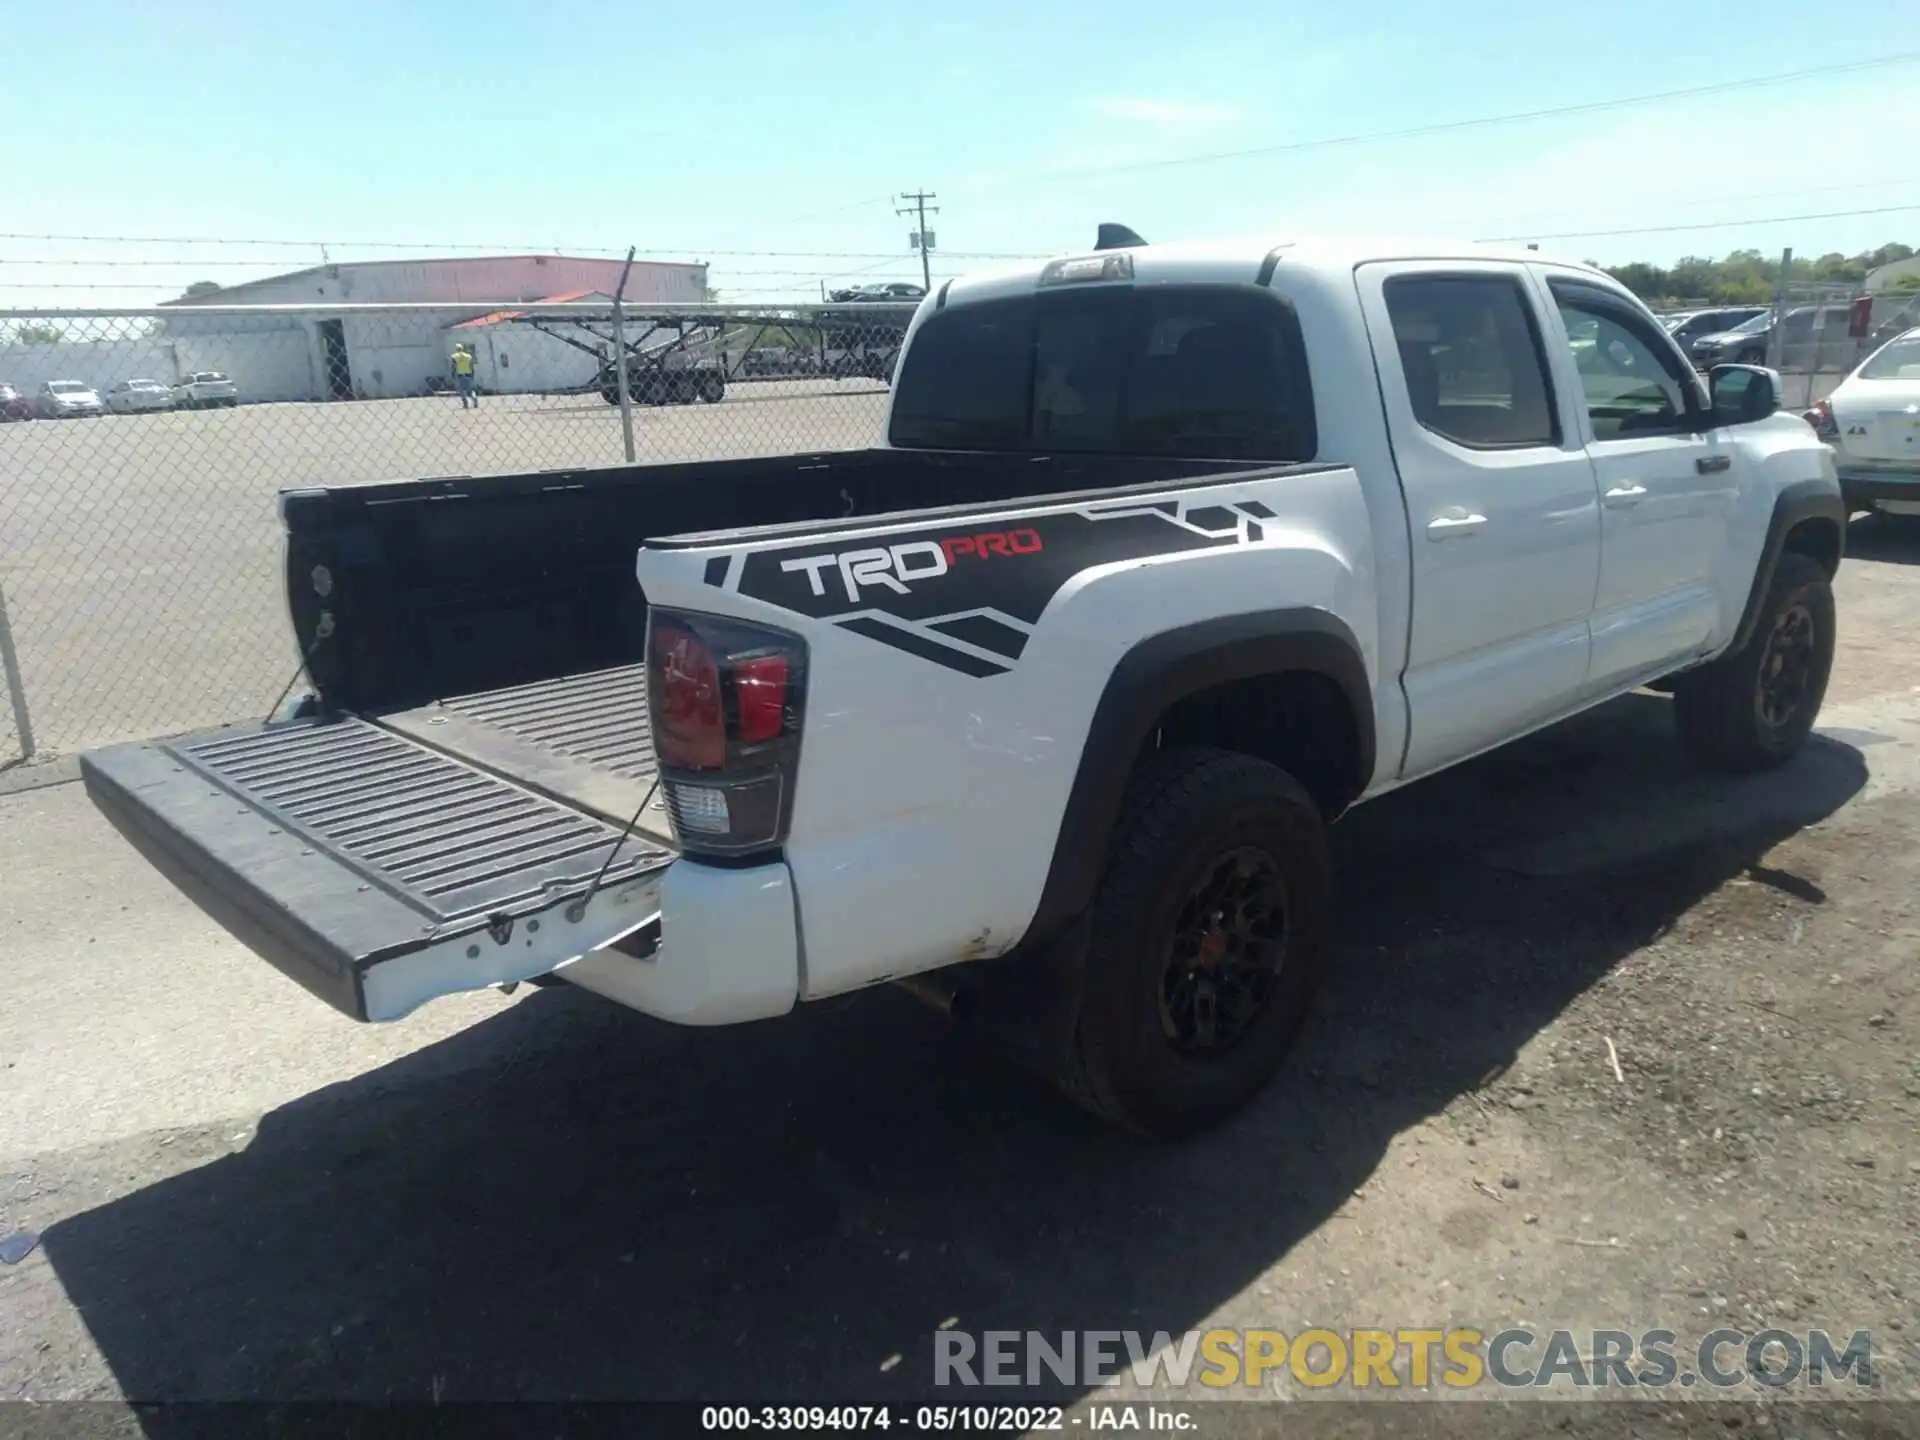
(1155, 674)
(1795, 504)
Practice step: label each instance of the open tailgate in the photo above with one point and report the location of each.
(375, 869)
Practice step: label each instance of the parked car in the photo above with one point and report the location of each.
(892, 292)
(131, 396)
(1691, 325)
(1044, 705)
(205, 388)
(14, 405)
(1811, 335)
(62, 399)
(1872, 422)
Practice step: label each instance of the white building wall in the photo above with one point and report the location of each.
(392, 356)
(519, 360)
(264, 365)
(99, 363)
(485, 281)
(1884, 278)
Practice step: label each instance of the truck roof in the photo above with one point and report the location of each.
(1322, 258)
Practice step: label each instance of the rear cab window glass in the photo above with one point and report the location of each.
(1470, 350)
(1899, 361)
(1198, 371)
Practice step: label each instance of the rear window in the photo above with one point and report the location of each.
(1200, 371)
(1898, 361)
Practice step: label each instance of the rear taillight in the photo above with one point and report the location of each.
(1820, 416)
(726, 700)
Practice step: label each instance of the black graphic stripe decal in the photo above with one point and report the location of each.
(982, 584)
(916, 644)
(983, 632)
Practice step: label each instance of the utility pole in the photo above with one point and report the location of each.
(922, 239)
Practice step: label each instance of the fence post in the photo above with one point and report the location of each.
(16, 687)
(1776, 339)
(620, 358)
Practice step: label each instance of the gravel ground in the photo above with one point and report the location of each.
(237, 1194)
(140, 554)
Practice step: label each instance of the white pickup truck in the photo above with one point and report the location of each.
(1172, 554)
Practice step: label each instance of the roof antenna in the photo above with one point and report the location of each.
(1116, 237)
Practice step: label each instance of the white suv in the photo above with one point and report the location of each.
(204, 388)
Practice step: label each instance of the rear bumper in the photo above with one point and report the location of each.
(1860, 487)
(728, 951)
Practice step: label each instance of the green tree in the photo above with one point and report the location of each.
(1743, 276)
(199, 288)
(1886, 255)
(37, 335)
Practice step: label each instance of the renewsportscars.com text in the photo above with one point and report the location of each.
(1421, 1358)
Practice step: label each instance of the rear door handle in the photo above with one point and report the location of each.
(1622, 495)
(1446, 527)
(1713, 464)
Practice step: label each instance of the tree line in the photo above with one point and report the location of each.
(1747, 277)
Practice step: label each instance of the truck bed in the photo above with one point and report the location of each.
(478, 741)
(583, 739)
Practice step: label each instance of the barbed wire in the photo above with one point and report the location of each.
(490, 251)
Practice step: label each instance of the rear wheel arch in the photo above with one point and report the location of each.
(1288, 686)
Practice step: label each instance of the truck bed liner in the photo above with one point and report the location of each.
(373, 868)
(581, 738)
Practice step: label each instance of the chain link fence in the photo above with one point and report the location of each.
(142, 452)
(1817, 333)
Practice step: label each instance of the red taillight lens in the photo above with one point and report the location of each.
(728, 701)
(760, 690)
(1820, 416)
(689, 722)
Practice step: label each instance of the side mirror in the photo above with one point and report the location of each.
(1743, 393)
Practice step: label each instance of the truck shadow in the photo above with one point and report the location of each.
(1893, 539)
(569, 1201)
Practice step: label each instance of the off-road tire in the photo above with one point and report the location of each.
(1724, 714)
(1187, 812)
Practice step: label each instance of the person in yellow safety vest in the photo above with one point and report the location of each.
(463, 376)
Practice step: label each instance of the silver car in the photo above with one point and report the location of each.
(61, 399)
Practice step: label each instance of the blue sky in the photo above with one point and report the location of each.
(760, 126)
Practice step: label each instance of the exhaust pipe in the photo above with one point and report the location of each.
(954, 998)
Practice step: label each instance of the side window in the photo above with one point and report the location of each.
(1632, 380)
(1476, 373)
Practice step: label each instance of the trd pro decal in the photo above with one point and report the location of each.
(967, 596)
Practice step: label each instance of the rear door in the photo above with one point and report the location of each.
(1667, 479)
(1499, 495)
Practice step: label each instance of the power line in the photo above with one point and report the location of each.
(1589, 107)
(1701, 225)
